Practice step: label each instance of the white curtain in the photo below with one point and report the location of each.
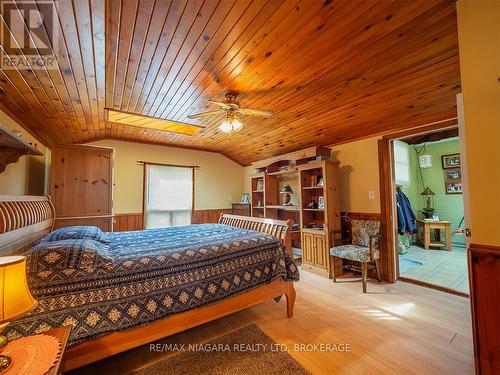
(168, 196)
(402, 163)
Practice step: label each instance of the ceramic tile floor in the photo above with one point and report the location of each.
(439, 267)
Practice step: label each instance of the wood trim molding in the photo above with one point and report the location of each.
(484, 278)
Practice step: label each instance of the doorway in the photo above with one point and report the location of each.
(430, 210)
(422, 181)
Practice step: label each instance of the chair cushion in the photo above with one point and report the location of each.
(354, 252)
(362, 230)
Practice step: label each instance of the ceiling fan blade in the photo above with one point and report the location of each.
(255, 112)
(222, 105)
(203, 114)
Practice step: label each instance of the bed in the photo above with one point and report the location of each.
(151, 284)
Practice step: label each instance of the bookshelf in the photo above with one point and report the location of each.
(319, 214)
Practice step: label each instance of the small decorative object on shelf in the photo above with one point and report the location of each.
(260, 185)
(321, 182)
(313, 180)
(259, 204)
(321, 202)
(245, 198)
(311, 204)
(15, 296)
(286, 190)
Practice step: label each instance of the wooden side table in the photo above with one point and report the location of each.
(62, 334)
(424, 229)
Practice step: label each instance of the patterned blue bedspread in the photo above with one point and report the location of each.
(154, 273)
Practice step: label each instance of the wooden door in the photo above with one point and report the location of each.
(320, 256)
(81, 185)
(308, 248)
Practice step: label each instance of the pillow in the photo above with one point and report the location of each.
(65, 254)
(74, 233)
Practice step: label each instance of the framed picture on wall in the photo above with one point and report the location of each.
(453, 175)
(453, 188)
(450, 161)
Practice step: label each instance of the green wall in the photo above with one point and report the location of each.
(449, 207)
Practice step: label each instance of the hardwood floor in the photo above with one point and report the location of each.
(393, 329)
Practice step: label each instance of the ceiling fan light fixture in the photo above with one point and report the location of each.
(230, 126)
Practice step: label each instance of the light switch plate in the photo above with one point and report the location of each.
(371, 194)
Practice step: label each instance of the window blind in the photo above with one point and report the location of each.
(168, 196)
(402, 163)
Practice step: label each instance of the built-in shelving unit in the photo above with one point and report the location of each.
(320, 214)
(12, 147)
(282, 170)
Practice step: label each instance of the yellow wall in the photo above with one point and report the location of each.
(479, 44)
(218, 182)
(26, 176)
(358, 175)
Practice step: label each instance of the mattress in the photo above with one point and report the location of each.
(154, 273)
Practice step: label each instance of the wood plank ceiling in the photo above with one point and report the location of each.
(332, 71)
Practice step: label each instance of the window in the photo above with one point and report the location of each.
(402, 163)
(168, 196)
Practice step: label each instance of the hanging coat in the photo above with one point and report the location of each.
(406, 216)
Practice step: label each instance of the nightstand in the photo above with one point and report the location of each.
(61, 333)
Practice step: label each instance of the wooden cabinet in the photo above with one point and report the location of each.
(319, 213)
(307, 249)
(315, 253)
(81, 186)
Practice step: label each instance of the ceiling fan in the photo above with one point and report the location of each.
(232, 109)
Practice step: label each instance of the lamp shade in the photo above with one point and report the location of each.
(427, 191)
(15, 296)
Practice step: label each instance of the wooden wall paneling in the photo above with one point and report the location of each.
(484, 279)
(127, 222)
(369, 68)
(134, 221)
(208, 216)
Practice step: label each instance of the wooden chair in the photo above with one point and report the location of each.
(363, 249)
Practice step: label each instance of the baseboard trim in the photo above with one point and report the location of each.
(433, 286)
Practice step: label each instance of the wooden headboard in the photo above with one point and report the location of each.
(277, 228)
(23, 220)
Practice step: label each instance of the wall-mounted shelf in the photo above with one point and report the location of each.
(12, 148)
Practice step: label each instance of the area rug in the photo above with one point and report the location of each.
(406, 264)
(247, 350)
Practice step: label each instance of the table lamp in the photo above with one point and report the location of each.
(429, 202)
(15, 297)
